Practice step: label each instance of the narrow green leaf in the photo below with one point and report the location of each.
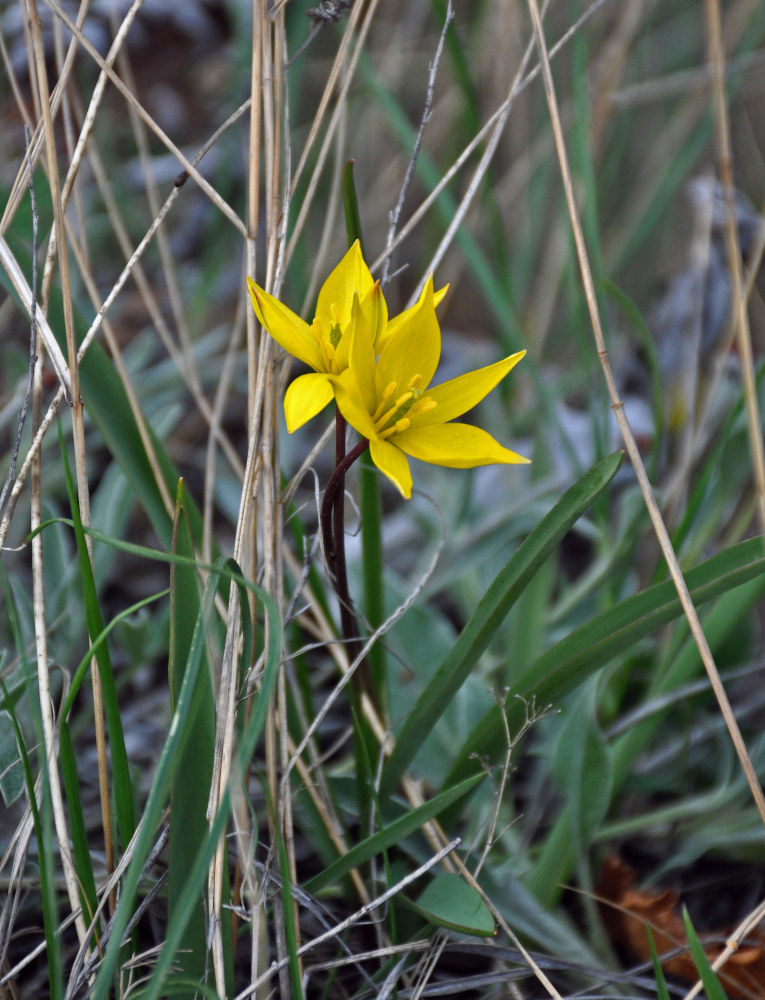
(166, 768)
(391, 834)
(11, 771)
(123, 790)
(190, 787)
(661, 982)
(42, 819)
(448, 901)
(712, 985)
(351, 205)
(489, 615)
(588, 648)
(583, 769)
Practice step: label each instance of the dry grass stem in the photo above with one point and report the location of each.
(629, 438)
(739, 311)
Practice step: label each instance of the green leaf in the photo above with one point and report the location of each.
(165, 771)
(576, 657)
(583, 769)
(489, 615)
(11, 771)
(123, 790)
(661, 982)
(712, 986)
(190, 787)
(390, 834)
(448, 901)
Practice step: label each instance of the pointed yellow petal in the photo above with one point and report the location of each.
(459, 446)
(351, 275)
(362, 361)
(375, 310)
(351, 403)
(305, 397)
(415, 349)
(392, 463)
(461, 394)
(288, 330)
(395, 324)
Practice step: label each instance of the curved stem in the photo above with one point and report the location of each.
(333, 535)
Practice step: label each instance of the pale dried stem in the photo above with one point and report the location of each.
(354, 918)
(58, 247)
(739, 311)
(334, 119)
(489, 128)
(334, 75)
(91, 333)
(188, 369)
(425, 118)
(220, 203)
(629, 438)
(22, 178)
(732, 945)
(43, 672)
(319, 268)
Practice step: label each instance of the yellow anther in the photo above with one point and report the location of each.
(423, 405)
(380, 422)
(414, 382)
(389, 390)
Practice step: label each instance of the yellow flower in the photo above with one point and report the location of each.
(390, 401)
(350, 297)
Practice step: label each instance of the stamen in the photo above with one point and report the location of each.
(414, 382)
(397, 428)
(423, 405)
(399, 408)
(389, 390)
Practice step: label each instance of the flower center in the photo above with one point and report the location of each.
(328, 342)
(395, 412)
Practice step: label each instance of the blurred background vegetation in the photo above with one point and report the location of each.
(606, 764)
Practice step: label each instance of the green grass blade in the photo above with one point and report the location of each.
(167, 766)
(585, 650)
(190, 786)
(390, 835)
(197, 874)
(44, 832)
(661, 983)
(122, 786)
(489, 615)
(79, 834)
(712, 985)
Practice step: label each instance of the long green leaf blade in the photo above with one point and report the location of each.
(489, 615)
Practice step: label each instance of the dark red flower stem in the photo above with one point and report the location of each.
(333, 535)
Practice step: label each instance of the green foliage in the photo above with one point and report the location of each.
(536, 689)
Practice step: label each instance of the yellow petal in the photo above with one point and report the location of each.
(395, 324)
(351, 403)
(305, 397)
(288, 330)
(362, 360)
(351, 275)
(375, 310)
(459, 446)
(415, 349)
(461, 394)
(392, 463)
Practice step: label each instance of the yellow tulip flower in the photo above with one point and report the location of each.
(390, 402)
(349, 298)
